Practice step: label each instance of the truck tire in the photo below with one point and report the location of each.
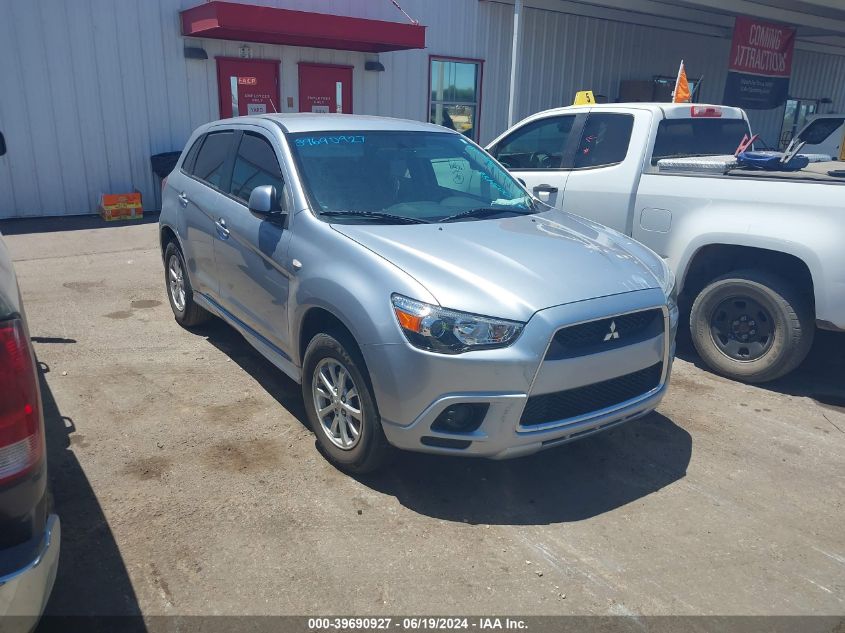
(179, 292)
(340, 405)
(751, 326)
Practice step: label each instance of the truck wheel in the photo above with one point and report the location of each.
(340, 405)
(179, 291)
(751, 326)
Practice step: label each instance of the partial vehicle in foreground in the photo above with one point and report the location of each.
(418, 293)
(30, 533)
(758, 254)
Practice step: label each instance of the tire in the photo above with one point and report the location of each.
(773, 338)
(367, 451)
(187, 313)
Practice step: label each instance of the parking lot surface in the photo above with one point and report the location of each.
(189, 483)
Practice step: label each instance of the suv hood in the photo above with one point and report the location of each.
(514, 266)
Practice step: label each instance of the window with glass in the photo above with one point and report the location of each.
(255, 165)
(795, 115)
(537, 145)
(211, 159)
(604, 140)
(679, 138)
(404, 177)
(455, 94)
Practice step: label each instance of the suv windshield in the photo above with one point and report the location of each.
(698, 137)
(392, 176)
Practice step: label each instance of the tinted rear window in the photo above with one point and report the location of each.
(697, 137)
(188, 163)
(212, 158)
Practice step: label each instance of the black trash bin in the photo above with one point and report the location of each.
(162, 165)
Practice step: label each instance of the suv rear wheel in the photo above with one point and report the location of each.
(340, 405)
(179, 291)
(751, 326)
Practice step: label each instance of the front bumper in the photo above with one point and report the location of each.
(24, 591)
(413, 387)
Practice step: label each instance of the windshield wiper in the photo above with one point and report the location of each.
(375, 215)
(483, 212)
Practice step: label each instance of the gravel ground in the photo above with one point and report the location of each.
(188, 482)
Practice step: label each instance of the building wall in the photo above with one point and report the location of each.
(90, 89)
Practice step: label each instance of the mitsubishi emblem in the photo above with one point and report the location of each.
(613, 334)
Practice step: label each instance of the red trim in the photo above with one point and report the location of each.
(267, 25)
(479, 91)
(275, 62)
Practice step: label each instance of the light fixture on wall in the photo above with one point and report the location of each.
(374, 64)
(195, 52)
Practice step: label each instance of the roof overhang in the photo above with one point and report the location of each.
(267, 25)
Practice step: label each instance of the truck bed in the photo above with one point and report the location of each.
(816, 172)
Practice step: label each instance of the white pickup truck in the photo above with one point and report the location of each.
(759, 256)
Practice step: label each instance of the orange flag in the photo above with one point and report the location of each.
(682, 93)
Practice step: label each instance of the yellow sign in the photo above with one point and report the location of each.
(584, 97)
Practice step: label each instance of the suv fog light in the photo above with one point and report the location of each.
(460, 418)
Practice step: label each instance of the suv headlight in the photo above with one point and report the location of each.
(437, 329)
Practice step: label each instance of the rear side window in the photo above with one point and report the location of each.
(677, 138)
(191, 157)
(604, 140)
(212, 157)
(538, 145)
(255, 165)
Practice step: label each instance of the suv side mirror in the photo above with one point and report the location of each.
(264, 203)
(2, 144)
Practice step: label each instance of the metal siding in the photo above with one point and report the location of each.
(94, 87)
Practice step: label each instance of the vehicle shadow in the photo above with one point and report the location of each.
(284, 390)
(570, 483)
(821, 376)
(21, 226)
(92, 580)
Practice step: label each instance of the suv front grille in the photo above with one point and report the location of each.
(605, 334)
(571, 403)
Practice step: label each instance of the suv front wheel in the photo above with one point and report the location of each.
(340, 405)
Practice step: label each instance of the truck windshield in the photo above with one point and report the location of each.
(390, 176)
(697, 137)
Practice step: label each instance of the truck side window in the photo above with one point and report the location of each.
(604, 140)
(212, 158)
(255, 165)
(538, 145)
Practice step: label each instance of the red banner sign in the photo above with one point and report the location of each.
(762, 48)
(760, 64)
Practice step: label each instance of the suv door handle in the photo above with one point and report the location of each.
(222, 231)
(545, 189)
(183, 199)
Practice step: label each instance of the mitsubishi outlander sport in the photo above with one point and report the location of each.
(420, 295)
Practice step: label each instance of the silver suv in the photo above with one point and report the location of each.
(414, 288)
